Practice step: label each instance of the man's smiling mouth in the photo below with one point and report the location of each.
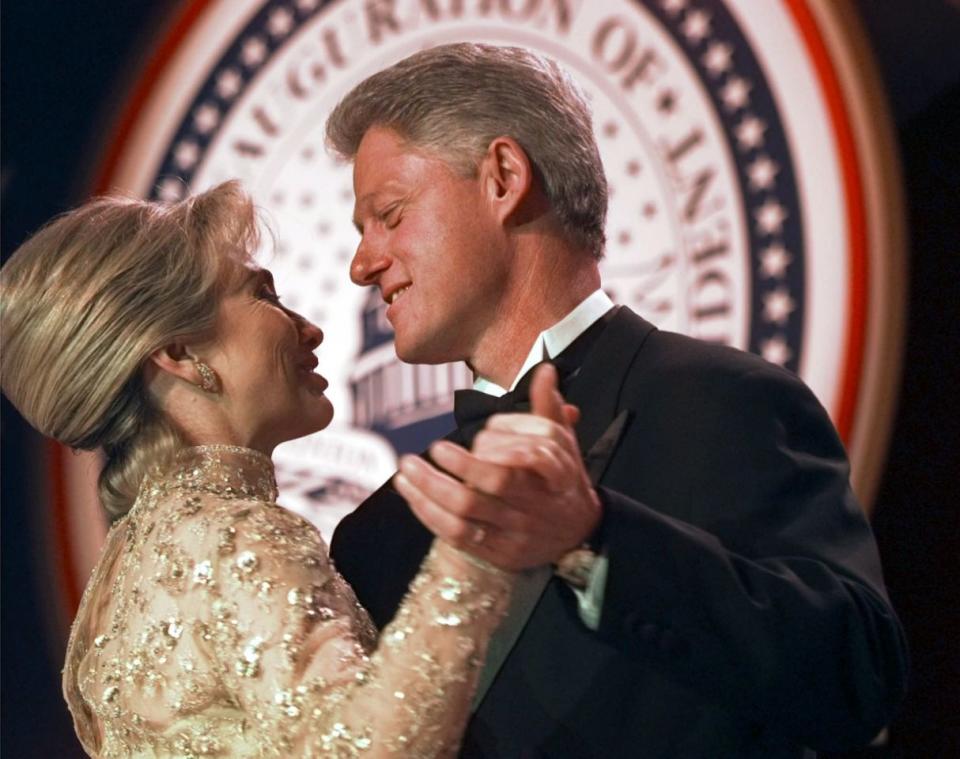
(392, 298)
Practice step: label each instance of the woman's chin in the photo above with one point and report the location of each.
(328, 415)
(312, 417)
(320, 414)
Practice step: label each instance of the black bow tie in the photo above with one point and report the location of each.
(472, 408)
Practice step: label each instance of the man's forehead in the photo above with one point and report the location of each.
(378, 165)
(388, 165)
(384, 153)
(379, 138)
(376, 177)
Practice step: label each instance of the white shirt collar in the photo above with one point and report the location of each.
(552, 341)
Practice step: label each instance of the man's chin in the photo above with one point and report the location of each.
(423, 352)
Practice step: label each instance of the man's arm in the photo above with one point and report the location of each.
(767, 593)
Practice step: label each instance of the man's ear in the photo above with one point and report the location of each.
(506, 176)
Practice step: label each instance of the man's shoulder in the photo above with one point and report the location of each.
(687, 376)
(668, 355)
(676, 384)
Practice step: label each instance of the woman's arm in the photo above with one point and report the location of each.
(286, 633)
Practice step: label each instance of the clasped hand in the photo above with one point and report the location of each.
(521, 497)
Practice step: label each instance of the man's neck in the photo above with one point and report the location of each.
(534, 303)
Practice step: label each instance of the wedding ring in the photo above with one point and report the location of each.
(479, 535)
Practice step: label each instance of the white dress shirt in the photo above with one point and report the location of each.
(549, 344)
(552, 341)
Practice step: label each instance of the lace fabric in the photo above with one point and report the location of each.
(215, 625)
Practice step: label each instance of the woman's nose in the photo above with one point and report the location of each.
(310, 333)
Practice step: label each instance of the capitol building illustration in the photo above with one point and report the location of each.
(409, 404)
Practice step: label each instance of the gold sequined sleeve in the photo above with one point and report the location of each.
(288, 638)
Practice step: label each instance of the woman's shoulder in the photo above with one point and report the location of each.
(186, 539)
(274, 530)
(231, 525)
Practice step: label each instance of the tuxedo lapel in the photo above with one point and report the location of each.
(532, 582)
(597, 459)
(596, 387)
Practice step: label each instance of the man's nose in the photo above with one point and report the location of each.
(368, 262)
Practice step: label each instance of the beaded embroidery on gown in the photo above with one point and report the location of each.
(214, 625)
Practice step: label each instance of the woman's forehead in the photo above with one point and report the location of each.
(246, 273)
(259, 274)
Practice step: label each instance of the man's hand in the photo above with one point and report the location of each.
(521, 498)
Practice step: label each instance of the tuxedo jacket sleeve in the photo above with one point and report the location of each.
(740, 561)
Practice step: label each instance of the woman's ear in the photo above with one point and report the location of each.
(506, 176)
(176, 360)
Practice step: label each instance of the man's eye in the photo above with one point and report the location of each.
(391, 217)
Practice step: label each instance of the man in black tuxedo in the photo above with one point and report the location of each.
(699, 580)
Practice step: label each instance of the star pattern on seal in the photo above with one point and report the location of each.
(778, 305)
(762, 172)
(776, 351)
(770, 217)
(750, 132)
(254, 52)
(280, 22)
(735, 93)
(717, 57)
(229, 83)
(774, 261)
(696, 26)
(171, 189)
(674, 7)
(206, 118)
(186, 154)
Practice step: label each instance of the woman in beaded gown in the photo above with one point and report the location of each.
(214, 624)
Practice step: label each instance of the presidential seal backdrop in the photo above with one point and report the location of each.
(754, 200)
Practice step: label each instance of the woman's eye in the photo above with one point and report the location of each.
(267, 293)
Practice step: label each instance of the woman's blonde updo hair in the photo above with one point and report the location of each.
(88, 298)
